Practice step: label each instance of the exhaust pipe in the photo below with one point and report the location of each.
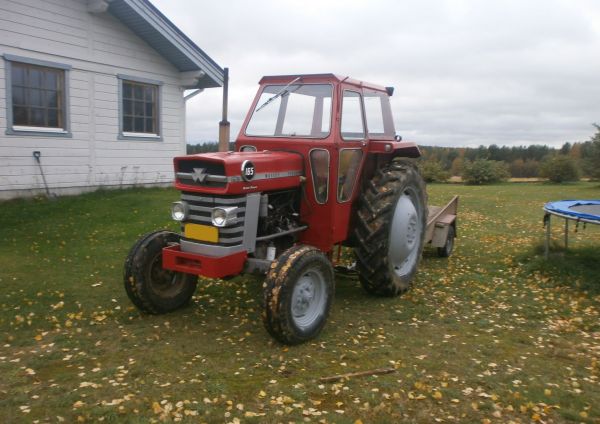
(224, 124)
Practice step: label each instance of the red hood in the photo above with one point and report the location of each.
(221, 172)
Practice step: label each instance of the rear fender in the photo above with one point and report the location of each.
(404, 149)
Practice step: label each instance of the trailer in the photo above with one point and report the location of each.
(441, 227)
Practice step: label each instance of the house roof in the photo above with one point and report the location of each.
(147, 22)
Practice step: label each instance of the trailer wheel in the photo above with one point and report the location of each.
(446, 250)
(390, 229)
(298, 292)
(150, 287)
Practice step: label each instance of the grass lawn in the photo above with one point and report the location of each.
(492, 334)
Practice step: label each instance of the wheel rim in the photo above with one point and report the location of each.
(405, 234)
(164, 282)
(450, 243)
(308, 299)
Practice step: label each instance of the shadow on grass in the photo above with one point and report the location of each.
(578, 267)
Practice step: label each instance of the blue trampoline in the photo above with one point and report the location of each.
(586, 211)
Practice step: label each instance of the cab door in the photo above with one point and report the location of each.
(351, 153)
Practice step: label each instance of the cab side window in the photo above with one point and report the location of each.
(352, 126)
(379, 115)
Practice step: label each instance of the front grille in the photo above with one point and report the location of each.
(200, 208)
(201, 173)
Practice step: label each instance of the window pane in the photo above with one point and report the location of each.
(127, 107)
(51, 99)
(19, 115)
(36, 116)
(35, 97)
(35, 78)
(138, 109)
(127, 90)
(319, 164)
(298, 115)
(352, 123)
(53, 118)
(51, 81)
(138, 92)
(18, 75)
(301, 110)
(348, 168)
(150, 126)
(326, 120)
(374, 115)
(138, 125)
(149, 109)
(379, 115)
(128, 124)
(149, 93)
(18, 95)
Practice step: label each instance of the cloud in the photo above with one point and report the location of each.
(466, 72)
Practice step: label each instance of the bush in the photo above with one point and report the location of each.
(483, 171)
(432, 171)
(592, 161)
(559, 169)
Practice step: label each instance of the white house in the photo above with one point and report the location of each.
(97, 88)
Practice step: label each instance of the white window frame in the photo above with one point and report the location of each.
(136, 136)
(21, 130)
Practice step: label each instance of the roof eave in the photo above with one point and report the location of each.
(213, 73)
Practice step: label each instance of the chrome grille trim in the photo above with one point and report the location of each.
(240, 234)
(236, 178)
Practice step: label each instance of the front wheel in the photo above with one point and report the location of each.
(299, 289)
(148, 285)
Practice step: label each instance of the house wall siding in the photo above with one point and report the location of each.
(98, 47)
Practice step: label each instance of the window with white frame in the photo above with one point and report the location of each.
(139, 108)
(36, 96)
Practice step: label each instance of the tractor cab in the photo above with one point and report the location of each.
(340, 127)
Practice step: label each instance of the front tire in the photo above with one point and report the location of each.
(299, 289)
(148, 285)
(390, 232)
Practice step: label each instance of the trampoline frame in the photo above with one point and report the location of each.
(547, 223)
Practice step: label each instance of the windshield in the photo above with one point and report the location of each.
(297, 110)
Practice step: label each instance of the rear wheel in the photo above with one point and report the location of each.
(149, 286)
(390, 232)
(298, 293)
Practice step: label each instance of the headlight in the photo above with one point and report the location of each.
(221, 217)
(179, 211)
(248, 148)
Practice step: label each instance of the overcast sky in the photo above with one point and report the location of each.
(466, 72)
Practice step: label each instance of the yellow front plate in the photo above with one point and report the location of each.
(202, 232)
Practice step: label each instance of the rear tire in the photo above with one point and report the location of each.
(148, 285)
(298, 292)
(390, 230)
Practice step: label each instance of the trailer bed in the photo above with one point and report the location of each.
(441, 226)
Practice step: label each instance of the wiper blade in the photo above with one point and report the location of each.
(280, 93)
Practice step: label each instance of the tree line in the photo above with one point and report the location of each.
(569, 162)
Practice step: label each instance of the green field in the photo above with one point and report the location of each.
(492, 334)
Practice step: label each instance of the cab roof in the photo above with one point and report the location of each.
(325, 78)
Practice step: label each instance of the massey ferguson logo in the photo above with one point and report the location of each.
(247, 170)
(199, 175)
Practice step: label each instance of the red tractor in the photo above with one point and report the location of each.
(317, 166)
